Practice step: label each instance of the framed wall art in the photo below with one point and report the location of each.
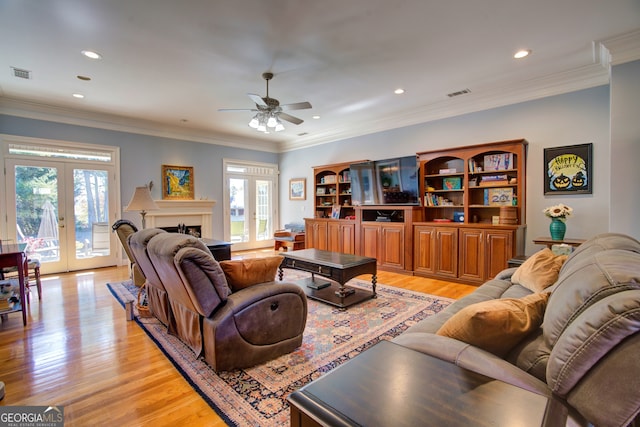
(177, 182)
(297, 189)
(568, 170)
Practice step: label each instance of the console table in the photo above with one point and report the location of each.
(391, 385)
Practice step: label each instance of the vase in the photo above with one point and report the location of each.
(557, 228)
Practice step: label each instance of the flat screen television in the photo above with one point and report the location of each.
(385, 182)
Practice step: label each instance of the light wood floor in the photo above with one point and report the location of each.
(78, 351)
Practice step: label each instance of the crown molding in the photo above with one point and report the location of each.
(623, 48)
(38, 111)
(606, 52)
(479, 100)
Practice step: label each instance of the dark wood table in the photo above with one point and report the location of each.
(391, 385)
(12, 256)
(549, 242)
(220, 249)
(335, 266)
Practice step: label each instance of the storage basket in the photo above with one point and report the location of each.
(143, 310)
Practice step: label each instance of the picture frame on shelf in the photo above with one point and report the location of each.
(568, 170)
(452, 183)
(177, 182)
(298, 189)
(335, 211)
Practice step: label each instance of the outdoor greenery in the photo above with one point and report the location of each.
(37, 185)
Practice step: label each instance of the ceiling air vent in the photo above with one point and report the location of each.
(303, 134)
(458, 93)
(19, 72)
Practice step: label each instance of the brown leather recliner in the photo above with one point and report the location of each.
(157, 298)
(124, 228)
(233, 329)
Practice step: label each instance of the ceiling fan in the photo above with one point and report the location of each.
(269, 112)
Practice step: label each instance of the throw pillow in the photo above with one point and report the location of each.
(539, 271)
(497, 325)
(251, 271)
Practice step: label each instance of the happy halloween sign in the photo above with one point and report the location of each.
(568, 169)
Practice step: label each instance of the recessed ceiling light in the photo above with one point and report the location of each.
(78, 95)
(316, 117)
(522, 54)
(399, 91)
(91, 54)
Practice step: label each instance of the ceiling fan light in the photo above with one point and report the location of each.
(272, 122)
(279, 127)
(261, 127)
(254, 122)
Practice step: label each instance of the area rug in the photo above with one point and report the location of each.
(257, 396)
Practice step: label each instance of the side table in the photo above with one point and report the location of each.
(548, 242)
(391, 385)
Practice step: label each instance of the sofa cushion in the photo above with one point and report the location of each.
(591, 336)
(584, 281)
(539, 271)
(251, 271)
(497, 326)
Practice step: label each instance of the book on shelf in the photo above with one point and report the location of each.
(490, 180)
(496, 162)
(328, 179)
(431, 199)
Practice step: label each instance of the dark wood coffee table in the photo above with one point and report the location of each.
(391, 385)
(340, 268)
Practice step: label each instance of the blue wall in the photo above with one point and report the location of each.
(141, 157)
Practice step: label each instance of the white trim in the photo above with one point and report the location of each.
(6, 139)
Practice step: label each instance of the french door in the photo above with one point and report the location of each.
(250, 204)
(62, 211)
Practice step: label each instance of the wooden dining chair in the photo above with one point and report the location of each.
(31, 273)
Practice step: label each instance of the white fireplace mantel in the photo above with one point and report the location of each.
(188, 212)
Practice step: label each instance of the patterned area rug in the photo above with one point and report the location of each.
(257, 396)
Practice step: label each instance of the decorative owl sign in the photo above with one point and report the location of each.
(568, 169)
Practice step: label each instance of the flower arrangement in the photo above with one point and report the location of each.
(560, 211)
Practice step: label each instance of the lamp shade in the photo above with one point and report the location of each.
(141, 201)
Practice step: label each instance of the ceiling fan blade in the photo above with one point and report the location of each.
(236, 109)
(287, 117)
(296, 106)
(257, 99)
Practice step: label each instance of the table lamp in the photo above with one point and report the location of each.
(142, 202)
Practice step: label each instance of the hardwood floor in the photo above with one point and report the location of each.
(78, 351)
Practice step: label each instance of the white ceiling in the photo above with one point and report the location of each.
(168, 66)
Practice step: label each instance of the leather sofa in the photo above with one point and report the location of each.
(586, 351)
(231, 328)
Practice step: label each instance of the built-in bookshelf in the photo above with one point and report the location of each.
(332, 191)
(471, 184)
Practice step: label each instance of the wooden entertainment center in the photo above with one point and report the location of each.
(470, 223)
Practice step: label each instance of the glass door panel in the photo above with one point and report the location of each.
(90, 215)
(250, 207)
(263, 219)
(37, 190)
(239, 229)
(43, 193)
